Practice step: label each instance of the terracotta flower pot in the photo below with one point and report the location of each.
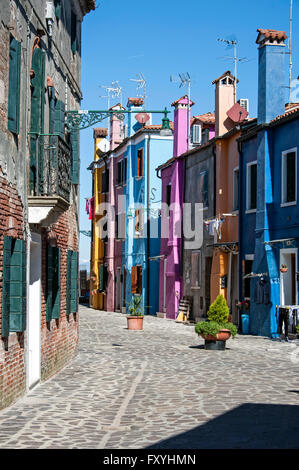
(135, 323)
(223, 335)
(283, 270)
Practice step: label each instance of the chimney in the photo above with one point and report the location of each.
(99, 133)
(225, 98)
(271, 92)
(181, 125)
(135, 105)
(116, 128)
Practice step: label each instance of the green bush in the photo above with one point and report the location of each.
(219, 310)
(218, 315)
(135, 306)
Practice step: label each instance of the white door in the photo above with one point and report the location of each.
(34, 312)
(288, 284)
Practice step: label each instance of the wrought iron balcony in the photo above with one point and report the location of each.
(50, 181)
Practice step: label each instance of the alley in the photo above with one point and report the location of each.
(158, 388)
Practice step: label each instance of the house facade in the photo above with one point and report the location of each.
(39, 177)
(269, 232)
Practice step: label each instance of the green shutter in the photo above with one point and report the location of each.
(73, 32)
(56, 283)
(74, 282)
(49, 283)
(53, 145)
(57, 4)
(37, 121)
(6, 285)
(17, 317)
(59, 118)
(68, 282)
(101, 278)
(75, 157)
(14, 86)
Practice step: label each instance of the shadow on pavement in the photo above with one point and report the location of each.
(249, 426)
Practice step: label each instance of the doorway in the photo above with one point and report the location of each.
(34, 312)
(288, 284)
(118, 290)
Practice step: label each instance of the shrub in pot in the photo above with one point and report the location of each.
(135, 317)
(217, 329)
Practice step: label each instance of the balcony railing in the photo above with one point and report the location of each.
(50, 167)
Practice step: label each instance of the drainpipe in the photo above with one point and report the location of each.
(147, 224)
(240, 225)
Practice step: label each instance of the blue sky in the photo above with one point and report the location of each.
(122, 38)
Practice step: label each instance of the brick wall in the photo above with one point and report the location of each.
(59, 338)
(12, 351)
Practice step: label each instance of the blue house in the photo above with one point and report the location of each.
(144, 150)
(268, 210)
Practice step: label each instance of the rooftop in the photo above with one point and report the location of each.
(185, 97)
(271, 34)
(135, 102)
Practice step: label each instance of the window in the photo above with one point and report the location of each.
(105, 181)
(204, 187)
(53, 283)
(136, 280)
(140, 155)
(72, 282)
(196, 134)
(14, 86)
(205, 135)
(125, 171)
(103, 277)
(236, 190)
(14, 286)
(289, 177)
(251, 186)
(120, 226)
(57, 5)
(168, 195)
(121, 177)
(138, 222)
(195, 269)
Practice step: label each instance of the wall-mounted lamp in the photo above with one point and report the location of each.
(165, 130)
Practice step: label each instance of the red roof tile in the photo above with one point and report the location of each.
(290, 111)
(99, 132)
(207, 118)
(225, 74)
(271, 34)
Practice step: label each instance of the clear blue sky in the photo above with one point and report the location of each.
(122, 38)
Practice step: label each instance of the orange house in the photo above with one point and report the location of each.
(228, 116)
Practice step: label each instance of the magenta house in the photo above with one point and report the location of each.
(172, 174)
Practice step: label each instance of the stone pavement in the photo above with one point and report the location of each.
(158, 388)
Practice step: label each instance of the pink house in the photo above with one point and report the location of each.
(172, 174)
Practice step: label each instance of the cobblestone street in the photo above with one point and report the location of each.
(158, 388)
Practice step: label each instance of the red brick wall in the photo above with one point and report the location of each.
(59, 337)
(12, 360)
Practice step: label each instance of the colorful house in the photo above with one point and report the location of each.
(172, 174)
(269, 216)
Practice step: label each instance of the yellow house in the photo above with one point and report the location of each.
(97, 296)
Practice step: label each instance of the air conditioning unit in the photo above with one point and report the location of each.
(244, 103)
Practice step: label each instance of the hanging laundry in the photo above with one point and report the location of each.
(262, 291)
(91, 208)
(87, 209)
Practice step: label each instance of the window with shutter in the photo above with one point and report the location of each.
(134, 280)
(140, 155)
(101, 277)
(57, 5)
(75, 157)
(37, 122)
(14, 85)
(68, 282)
(204, 187)
(74, 282)
(14, 286)
(119, 172)
(53, 283)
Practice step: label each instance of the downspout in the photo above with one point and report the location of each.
(239, 228)
(147, 224)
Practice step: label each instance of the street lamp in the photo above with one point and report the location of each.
(165, 130)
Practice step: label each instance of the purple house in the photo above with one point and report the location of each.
(172, 174)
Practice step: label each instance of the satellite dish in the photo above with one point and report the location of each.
(142, 118)
(104, 145)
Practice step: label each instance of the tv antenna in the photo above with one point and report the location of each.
(141, 84)
(233, 43)
(185, 80)
(290, 49)
(114, 90)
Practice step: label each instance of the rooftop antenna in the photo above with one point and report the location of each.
(185, 80)
(141, 84)
(290, 49)
(233, 43)
(113, 91)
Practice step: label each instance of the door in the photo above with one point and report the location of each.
(124, 282)
(288, 284)
(34, 312)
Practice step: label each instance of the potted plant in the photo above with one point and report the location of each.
(217, 330)
(244, 306)
(297, 331)
(135, 317)
(283, 268)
